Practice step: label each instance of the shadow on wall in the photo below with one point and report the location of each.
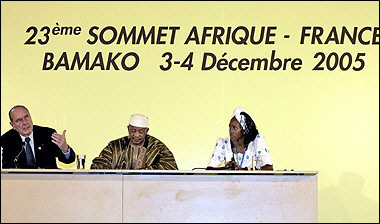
(346, 203)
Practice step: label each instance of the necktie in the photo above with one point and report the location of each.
(29, 154)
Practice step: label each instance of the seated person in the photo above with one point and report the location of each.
(242, 147)
(30, 146)
(136, 151)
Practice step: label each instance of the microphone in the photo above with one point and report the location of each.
(18, 155)
(233, 162)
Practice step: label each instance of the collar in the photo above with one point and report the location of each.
(30, 136)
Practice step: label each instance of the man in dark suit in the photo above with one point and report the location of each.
(30, 146)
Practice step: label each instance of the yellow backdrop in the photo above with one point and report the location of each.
(324, 121)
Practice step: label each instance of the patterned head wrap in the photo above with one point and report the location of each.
(240, 118)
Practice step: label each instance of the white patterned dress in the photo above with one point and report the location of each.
(256, 148)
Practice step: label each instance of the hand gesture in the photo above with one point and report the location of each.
(60, 141)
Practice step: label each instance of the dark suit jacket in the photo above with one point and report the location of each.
(45, 150)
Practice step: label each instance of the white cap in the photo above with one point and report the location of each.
(139, 120)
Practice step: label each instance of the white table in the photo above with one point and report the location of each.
(158, 196)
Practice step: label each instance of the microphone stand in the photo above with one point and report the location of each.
(17, 157)
(233, 162)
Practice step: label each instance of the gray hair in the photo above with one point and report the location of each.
(14, 107)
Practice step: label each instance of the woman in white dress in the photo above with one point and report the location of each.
(244, 149)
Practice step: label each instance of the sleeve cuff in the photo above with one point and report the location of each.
(67, 154)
